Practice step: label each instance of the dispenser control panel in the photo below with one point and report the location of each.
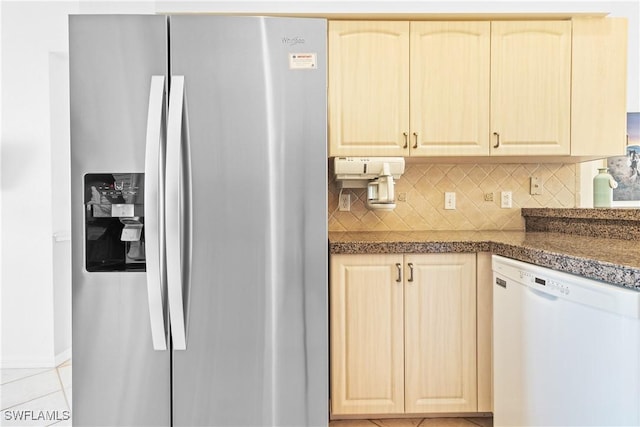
(114, 195)
(114, 222)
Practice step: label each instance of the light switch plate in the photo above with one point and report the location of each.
(536, 186)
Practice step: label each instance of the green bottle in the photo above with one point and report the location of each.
(603, 185)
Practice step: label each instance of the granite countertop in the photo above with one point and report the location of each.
(625, 214)
(611, 260)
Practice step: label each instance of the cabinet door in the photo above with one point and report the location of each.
(368, 88)
(367, 375)
(450, 88)
(440, 333)
(599, 87)
(530, 87)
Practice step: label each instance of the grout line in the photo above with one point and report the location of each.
(30, 400)
(64, 393)
(28, 376)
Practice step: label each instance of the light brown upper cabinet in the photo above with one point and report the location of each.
(599, 87)
(368, 88)
(449, 105)
(530, 87)
(525, 89)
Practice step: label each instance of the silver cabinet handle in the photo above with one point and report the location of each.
(399, 267)
(178, 212)
(410, 271)
(416, 136)
(406, 139)
(153, 208)
(497, 140)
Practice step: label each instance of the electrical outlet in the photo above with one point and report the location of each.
(506, 200)
(449, 200)
(344, 204)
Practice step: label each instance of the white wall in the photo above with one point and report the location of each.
(29, 32)
(34, 275)
(60, 201)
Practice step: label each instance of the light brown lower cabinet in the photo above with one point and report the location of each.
(404, 334)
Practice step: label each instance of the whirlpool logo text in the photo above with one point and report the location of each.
(292, 41)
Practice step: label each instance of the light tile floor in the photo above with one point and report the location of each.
(36, 397)
(417, 422)
(42, 397)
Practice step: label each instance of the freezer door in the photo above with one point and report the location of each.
(256, 311)
(118, 377)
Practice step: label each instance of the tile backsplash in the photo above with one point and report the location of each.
(424, 186)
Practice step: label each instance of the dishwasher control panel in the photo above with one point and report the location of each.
(535, 280)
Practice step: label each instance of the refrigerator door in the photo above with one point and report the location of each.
(118, 377)
(256, 338)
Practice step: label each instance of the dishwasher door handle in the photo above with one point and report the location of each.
(542, 294)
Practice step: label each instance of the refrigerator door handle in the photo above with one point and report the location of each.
(153, 208)
(178, 212)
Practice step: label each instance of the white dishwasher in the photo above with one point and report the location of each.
(566, 349)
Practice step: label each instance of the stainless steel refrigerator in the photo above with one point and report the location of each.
(199, 229)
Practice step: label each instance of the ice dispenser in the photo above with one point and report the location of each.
(114, 222)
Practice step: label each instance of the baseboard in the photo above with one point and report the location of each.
(29, 363)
